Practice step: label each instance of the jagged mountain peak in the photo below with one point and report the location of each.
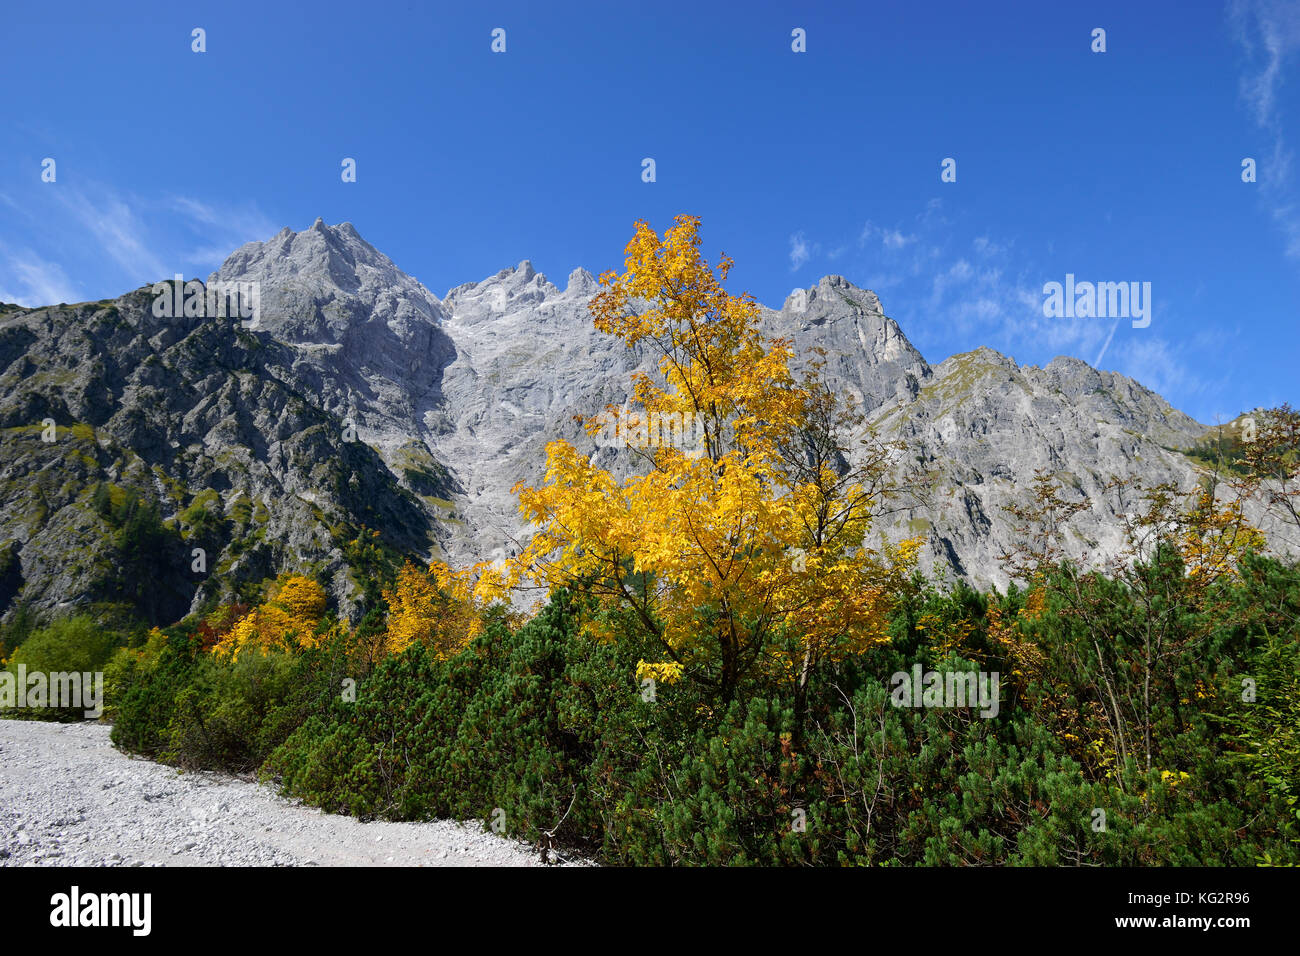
(582, 282)
(513, 291)
(830, 294)
(1088, 394)
(453, 402)
(983, 355)
(856, 315)
(321, 249)
(320, 284)
(868, 355)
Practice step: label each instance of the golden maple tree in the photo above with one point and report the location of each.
(440, 607)
(287, 620)
(743, 548)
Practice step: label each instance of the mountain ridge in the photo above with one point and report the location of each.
(452, 401)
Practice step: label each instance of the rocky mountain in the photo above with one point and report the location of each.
(360, 402)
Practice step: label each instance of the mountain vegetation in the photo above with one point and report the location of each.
(737, 651)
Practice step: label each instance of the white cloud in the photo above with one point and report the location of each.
(953, 289)
(893, 239)
(120, 234)
(126, 229)
(986, 248)
(800, 251)
(976, 293)
(1268, 32)
(1154, 363)
(221, 228)
(35, 282)
(112, 241)
(956, 275)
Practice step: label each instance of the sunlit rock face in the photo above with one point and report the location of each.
(359, 397)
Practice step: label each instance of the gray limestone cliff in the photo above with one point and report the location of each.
(360, 400)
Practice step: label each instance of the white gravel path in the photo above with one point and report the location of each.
(69, 798)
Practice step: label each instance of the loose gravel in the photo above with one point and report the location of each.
(69, 798)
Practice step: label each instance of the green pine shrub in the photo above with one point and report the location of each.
(546, 730)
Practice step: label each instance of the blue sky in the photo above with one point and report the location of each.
(1115, 166)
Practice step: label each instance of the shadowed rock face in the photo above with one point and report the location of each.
(452, 402)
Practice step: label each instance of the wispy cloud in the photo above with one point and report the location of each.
(118, 231)
(800, 251)
(35, 282)
(986, 290)
(1268, 32)
(803, 250)
(1156, 364)
(968, 291)
(888, 238)
(113, 240)
(221, 228)
(119, 224)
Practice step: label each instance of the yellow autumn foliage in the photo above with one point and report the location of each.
(1215, 535)
(665, 672)
(735, 554)
(440, 607)
(287, 620)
